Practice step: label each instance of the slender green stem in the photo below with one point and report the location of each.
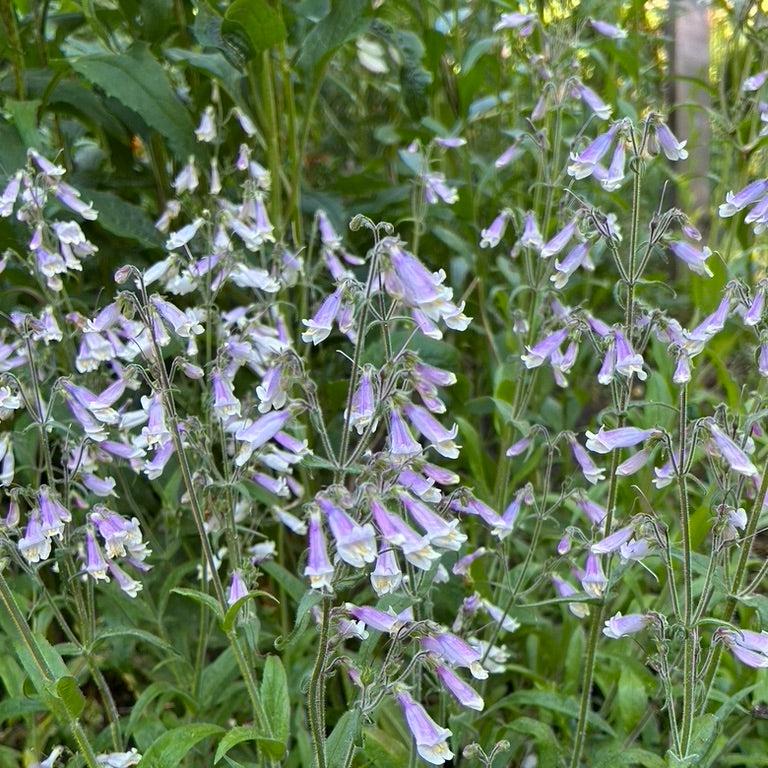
(316, 693)
(273, 142)
(8, 16)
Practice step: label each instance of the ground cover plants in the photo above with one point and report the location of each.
(382, 384)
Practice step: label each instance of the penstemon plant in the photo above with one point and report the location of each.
(272, 497)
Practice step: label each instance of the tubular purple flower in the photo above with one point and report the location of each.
(541, 352)
(577, 257)
(735, 202)
(455, 651)
(441, 533)
(750, 648)
(237, 588)
(34, 545)
(379, 620)
(612, 542)
(627, 361)
(622, 626)
(225, 404)
(464, 693)
(605, 29)
(518, 448)
(755, 82)
(594, 512)
(664, 474)
(363, 405)
(762, 360)
(559, 241)
(682, 374)
(634, 463)
(101, 487)
(319, 327)
(386, 576)
(318, 568)
(396, 532)
(755, 310)
(513, 21)
(594, 581)
(255, 434)
(565, 589)
(53, 514)
(583, 163)
(531, 237)
(508, 156)
(401, 441)
(127, 583)
(440, 438)
(593, 101)
(462, 565)
(612, 178)
(634, 549)
(355, 544)
(607, 440)
(431, 740)
(95, 564)
(491, 236)
(672, 148)
(591, 471)
(727, 449)
(503, 619)
(695, 259)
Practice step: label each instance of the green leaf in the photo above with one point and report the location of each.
(138, 634)
(234, 737)
(544, 737)
(342, 739)
(69, 692)
(311, 598)
(138, 81)
(276, 700)
(617, 756)
(202, 598)
(253, 23)
(122, 218)
(346, 20)
(554, 702)
(294, 586)
(169, 750)
(24, 115)
(473, 450)
(382, 750)
(631, 698)
(231, 615)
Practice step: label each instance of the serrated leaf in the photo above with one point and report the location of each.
(202, 598)
(254, 22)
(169, 749)
(276, 700)
(138, 81)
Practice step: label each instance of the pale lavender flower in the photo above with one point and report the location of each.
(608, 367)
(635, 549)
(34, 545)
(440, 475)
(695, 259)
(564, 545)
(463, 564)
(565, 589)
(127, 583)
(102, 487)
(762, 360)
(119, 759)
(577, 257)
(254, 434)
(605, 29)
(502, 618)
(491, 236)
(206, 131)
(319, 327)
(531, 237)
(591, 471)
(70, 197)
(594, 581)
(386, 577)
(664, 475)
(755, 310)
(381, 621)
(682, 374)
(559, 241)
(627, 361)
(731, 453)
(237, 588)
(53, 514)
(225, 404)
(513, 21)
(622, 626)
(594, 512)
(607, 440)
(613, 542)
(755, 82)
(464, 693)
(440, 438)
(318, 568)
(401, 441)
(455, 651)
(95, 563)
(541, 352)
(431, 740)
(583, 163)
(272, 392)
(518, 448)
(416, 549)
(10, 195)
(187, 179)
(355, 544)
(436, 189)
(634, 463)
(441, 533)
(363, 405)
(508, 156)
(750, 648)
(593, 101)
(672, 148)
(735, 202)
